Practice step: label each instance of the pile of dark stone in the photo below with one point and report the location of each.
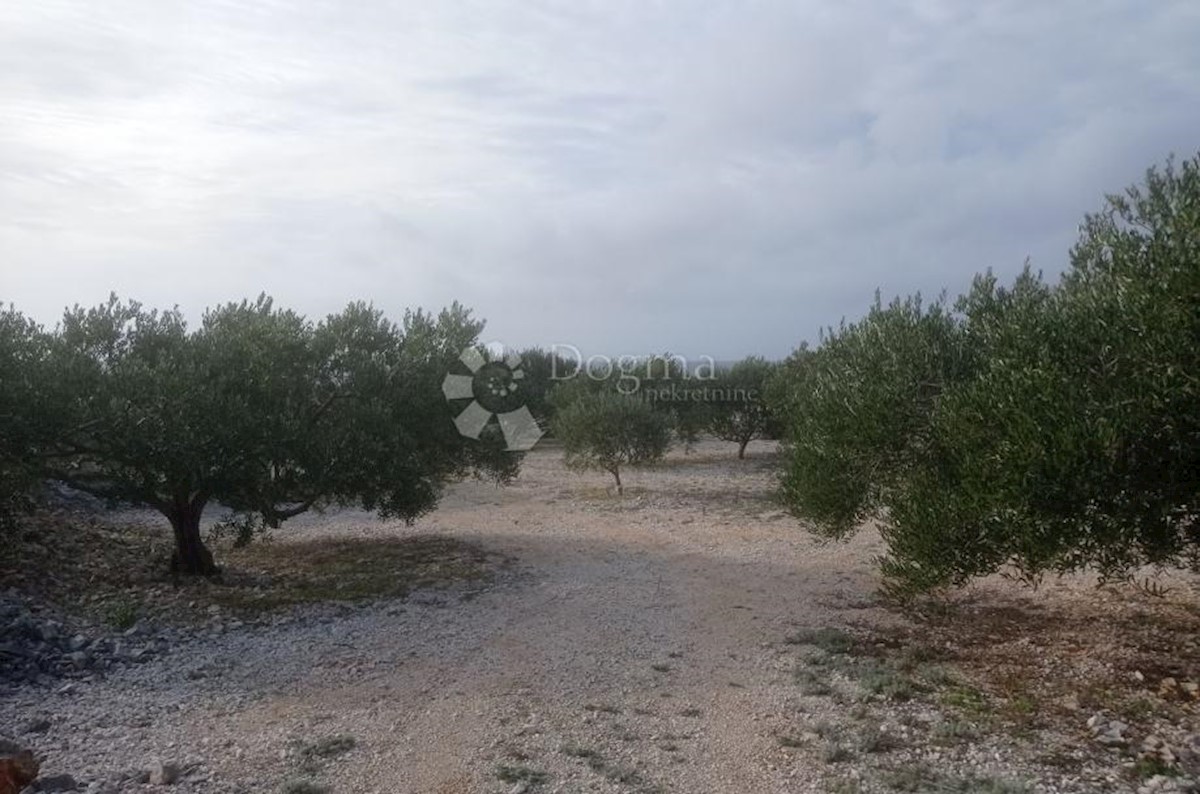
(38, 649)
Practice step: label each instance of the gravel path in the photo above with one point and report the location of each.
(633, 645)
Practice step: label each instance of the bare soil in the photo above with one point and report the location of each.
(687, 636)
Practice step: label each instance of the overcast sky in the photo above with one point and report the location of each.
(709, 178)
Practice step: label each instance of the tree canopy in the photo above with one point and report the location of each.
(258, 409)
(738, 410)
(1049, 426)
(606, 430)
(23, 416)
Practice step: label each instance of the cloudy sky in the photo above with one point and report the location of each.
(630, 176)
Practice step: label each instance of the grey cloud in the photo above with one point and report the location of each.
(717, 177)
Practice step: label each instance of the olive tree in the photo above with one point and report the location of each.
(738, 410)
(1077, 443)
(542, 370)
(660, 380)
(1051, 427)
(858, 406)
(674, 392)
(261, 410)
(23, 415)
(606, 430)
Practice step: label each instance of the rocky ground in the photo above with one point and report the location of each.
(554, 637)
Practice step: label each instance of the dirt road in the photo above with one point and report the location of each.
(633, 644)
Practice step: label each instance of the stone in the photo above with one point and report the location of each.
(164, 774)
(56, 783)
(1111, 739)
(38, 725)
(1162, 784)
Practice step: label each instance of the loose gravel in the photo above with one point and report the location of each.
(637, 644)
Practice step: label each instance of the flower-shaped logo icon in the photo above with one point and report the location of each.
(491, 387)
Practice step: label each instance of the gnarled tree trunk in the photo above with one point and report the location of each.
(191, 557)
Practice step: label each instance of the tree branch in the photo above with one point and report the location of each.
(275, 516)
(328, 403)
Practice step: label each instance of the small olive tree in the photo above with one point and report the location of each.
(660, 380)
(258, 409)
(674, 392)
(541, 371)
(606, 430)
(738, 410)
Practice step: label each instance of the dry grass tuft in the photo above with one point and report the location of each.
(266, 576)
(94, 568)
